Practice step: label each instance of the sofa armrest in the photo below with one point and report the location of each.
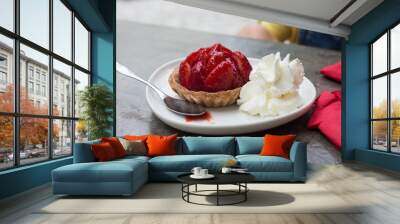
(298, 155)
(83, 152)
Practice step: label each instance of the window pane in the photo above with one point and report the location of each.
(81, 131)
(395, 94)
(35, 21)
(395, 47)
(34, 97)
(81, 45)
(379, 55)
(62, 138)
(6, 142)
(33, 139)
(379, 135)
(62, 89)
(7, 14)
(395, 135)
(6, 74)
(81, 82)
(62, 29)
(379, 97)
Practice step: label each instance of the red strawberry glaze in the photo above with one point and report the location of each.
(214, 69)
(205, 117)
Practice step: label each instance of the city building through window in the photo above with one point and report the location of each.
(39, 59)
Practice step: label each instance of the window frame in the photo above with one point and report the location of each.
(16, 114)
(388, 74)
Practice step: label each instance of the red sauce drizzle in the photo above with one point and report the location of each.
(205, 117)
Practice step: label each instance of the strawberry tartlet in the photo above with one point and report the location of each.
(211, 76)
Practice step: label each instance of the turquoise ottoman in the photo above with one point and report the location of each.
(118, 177)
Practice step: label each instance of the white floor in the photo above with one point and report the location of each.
(377, 189)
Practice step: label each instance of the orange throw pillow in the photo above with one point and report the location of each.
(136, 137)
(161, 145)
(103, 152)
(277, 145)
(116, 145)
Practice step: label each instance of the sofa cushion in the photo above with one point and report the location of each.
(249, 145)
(185, 163)
(134, 157)
(257, 163)
(207, 145)
(112, 171)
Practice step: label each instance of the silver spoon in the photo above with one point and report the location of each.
(178, 106)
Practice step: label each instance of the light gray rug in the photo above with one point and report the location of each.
(166, 198)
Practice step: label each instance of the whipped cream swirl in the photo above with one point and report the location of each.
(273, 87)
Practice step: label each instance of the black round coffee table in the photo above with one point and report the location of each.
(238, 179)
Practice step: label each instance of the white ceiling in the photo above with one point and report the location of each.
(327, 16)
(321, 9)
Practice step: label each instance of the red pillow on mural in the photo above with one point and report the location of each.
(327, 116)
(333, 71)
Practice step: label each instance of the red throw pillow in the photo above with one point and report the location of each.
(103, 152)
(136, 137)
(327, 116)
(161, 145)
(277, 145)
(116, 145)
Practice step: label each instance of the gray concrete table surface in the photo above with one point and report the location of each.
(143, 48)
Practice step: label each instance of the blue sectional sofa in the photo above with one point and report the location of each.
(125, 176)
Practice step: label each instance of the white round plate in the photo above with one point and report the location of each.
(225, 120)
(208, 176)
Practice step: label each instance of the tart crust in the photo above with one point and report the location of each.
(207, 99)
